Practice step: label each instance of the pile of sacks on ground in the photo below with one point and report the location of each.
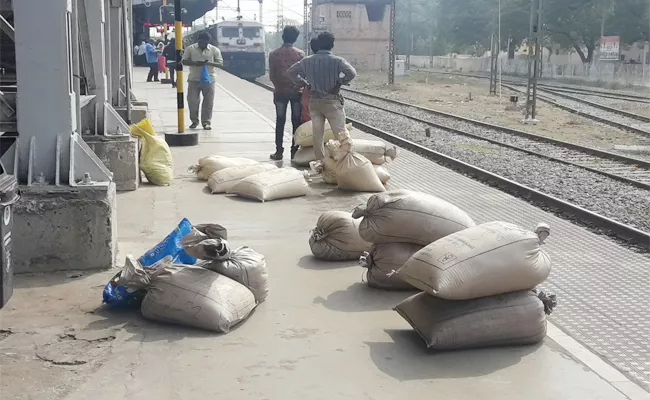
(250, 179)
(477, 282)
(350, 163)
(192, 278)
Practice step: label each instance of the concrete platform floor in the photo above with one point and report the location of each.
(322, 334)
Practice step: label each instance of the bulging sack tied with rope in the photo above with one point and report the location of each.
(336, 237)
(485, 260)
(405, 216)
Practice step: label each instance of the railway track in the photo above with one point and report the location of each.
(616, 94)
(625, 169)
(595, 220)
(625, 120)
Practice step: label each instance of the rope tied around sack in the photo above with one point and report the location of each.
(318, 234)
(365, 261)
(391, 152)
(548, 299)
(542, 231)
(360, 212)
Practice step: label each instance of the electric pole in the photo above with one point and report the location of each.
(409, 49)
(534, 61)
(391, 45)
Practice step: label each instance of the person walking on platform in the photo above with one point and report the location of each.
(322, 72)
(304, 100)
(170, 55)
(202, 58)
(141, 59)
(285, 92)
(152, 61)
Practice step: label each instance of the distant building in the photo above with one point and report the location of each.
(361, 27)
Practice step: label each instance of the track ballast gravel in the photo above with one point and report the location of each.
(619, 201)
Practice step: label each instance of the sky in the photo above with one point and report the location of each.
(293, 9)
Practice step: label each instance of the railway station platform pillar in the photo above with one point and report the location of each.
(66, 218)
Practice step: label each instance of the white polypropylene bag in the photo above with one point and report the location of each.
(223, 180)
(485, 260)
(354, 172)
(272, 185)
(304, 135)
(329, 171)
(336, 237)
(382, 260)
(409, 217)
(245, 266)
(304, 156)
(211, 164)
(516, 318)
(382, 173)
(376, 151)
(194, 296)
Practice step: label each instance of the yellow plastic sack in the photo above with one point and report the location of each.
(155, 156)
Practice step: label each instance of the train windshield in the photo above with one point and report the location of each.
(251, 32)
(230, 31)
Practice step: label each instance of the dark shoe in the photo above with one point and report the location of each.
(173, 85)
(294, 150)
(194, 125)
(206, 126)
(277, 156)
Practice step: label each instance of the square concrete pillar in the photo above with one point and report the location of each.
(120, 155)
(58, 229)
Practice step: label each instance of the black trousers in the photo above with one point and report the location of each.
(153, 72)
(282, 101)
(172, 72)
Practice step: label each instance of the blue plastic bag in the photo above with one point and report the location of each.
(116, 295)
(205, 75)
(171, 246)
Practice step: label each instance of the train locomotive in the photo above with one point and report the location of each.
(242, 47)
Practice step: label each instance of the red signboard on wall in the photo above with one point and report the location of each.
(610, 48)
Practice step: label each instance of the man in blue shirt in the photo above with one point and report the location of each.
(152, 61)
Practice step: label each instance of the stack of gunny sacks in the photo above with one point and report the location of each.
(192, 278)
(478, 282)
(349, 163)
(251, 179)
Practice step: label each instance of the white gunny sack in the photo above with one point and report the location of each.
(304, 156)
(376, 151)
(336, 237)
(515, 318)
(245, 266)
(281, 183)
(223, 180)
(382, 173)
(353, 171)
(194, 296)
(409, 217)
(305, 134)
(211, 164)
(329, 171)
(488, 259)
(383, 260)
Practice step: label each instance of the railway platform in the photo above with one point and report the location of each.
(322, 333)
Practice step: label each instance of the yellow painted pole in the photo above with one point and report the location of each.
(180, 97)
(165, 40)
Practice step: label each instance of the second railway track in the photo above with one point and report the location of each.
(602, 203)
(622, 168)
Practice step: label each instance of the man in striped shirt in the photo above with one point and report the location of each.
(322, 73)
